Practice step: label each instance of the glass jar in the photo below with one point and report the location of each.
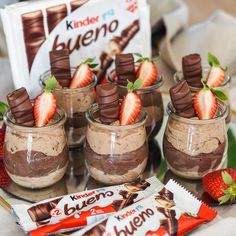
(36, 157)
(225, 86)
(152, 103)
(75, 102)
(193, 147)
(115, 154)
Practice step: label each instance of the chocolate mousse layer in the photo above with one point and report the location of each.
(152, 103)
(37, 165)
(121, 163)
(77, 121)
(200, 163)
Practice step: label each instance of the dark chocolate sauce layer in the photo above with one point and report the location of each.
(115, 164)
(184, 162)
(37, 165)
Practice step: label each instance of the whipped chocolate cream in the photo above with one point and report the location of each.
(192, 70)
(181, 98)
(21, 107)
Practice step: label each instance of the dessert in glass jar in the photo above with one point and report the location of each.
(116, 149)
(35, 147)
(149, 91)
(195, 139)
(215, 76)
(75, 95)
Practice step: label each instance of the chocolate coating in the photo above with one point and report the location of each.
(55, 15)
(125, 69)
(192, 70)
(181, 98)
(34, 34)
(108, 101)
(21, 107)
(77, 4)
(60, 66)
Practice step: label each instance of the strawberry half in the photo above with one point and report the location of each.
(45, 104)
(83, 74)
(221, 185)
(131, 104)
(147, 70)
(216, 75)
(205, 103)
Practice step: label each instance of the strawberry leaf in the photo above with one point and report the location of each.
(89, 61)
(137, 83)
(212, 60)
(227, 178)
(205, 86)
(224, 199)
(3, 109)
(92, 65)
(219, 94)
(138, 54)
(130, 86)
(139, 60)
(50, 84)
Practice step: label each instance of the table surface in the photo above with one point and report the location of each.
(77, 179)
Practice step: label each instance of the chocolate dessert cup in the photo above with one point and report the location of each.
(75, 102)
(36, 157)
(192, 147)
(224, 87)
(152, 103)
(115, 154)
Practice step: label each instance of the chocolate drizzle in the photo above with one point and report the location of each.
(21, 107)
(60, 66)
(181, 98)
(55, 15)
(192, 70)
(125, 69)
(108, 101)
(77, 4)
(34, 34)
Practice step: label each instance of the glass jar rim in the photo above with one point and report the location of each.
(157, 84)
(47, 73)
(10, 122)
(223, 114)
(178, 76)
(95, 107)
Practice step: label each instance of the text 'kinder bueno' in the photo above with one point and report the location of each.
(86, 202)
(70, 25)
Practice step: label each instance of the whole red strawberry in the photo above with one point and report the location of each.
(216, 75)
(147, 70)
(221, 185)
(45, 103)
(131, 104)
(83, 74)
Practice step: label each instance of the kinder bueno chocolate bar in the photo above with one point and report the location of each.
(81, 209)
(105, 28)
(172, 211)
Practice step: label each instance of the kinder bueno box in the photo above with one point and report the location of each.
(87, 28)
(78, 210)
(171, 211)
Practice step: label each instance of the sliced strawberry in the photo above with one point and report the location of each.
(205, 104)
(83, 74)
(2, 136)
(4, 178)
(147, 70)
(216, 75)
(130, 108)
(221, 185)
(45, 104)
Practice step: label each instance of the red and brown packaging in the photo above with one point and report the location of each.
(80, 209)
(170, 211)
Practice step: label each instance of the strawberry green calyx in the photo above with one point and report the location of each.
(89, 62)
(141, 58)
(218, 93)
(50, 84)
(3, 109)
(230, 192)
(214, 62)
(134, 86)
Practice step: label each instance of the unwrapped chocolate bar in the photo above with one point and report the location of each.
(80, 209)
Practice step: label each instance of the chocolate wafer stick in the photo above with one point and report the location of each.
(77, 4)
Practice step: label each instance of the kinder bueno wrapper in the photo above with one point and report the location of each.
(171, 211)
(87, 28)
(81, 209)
